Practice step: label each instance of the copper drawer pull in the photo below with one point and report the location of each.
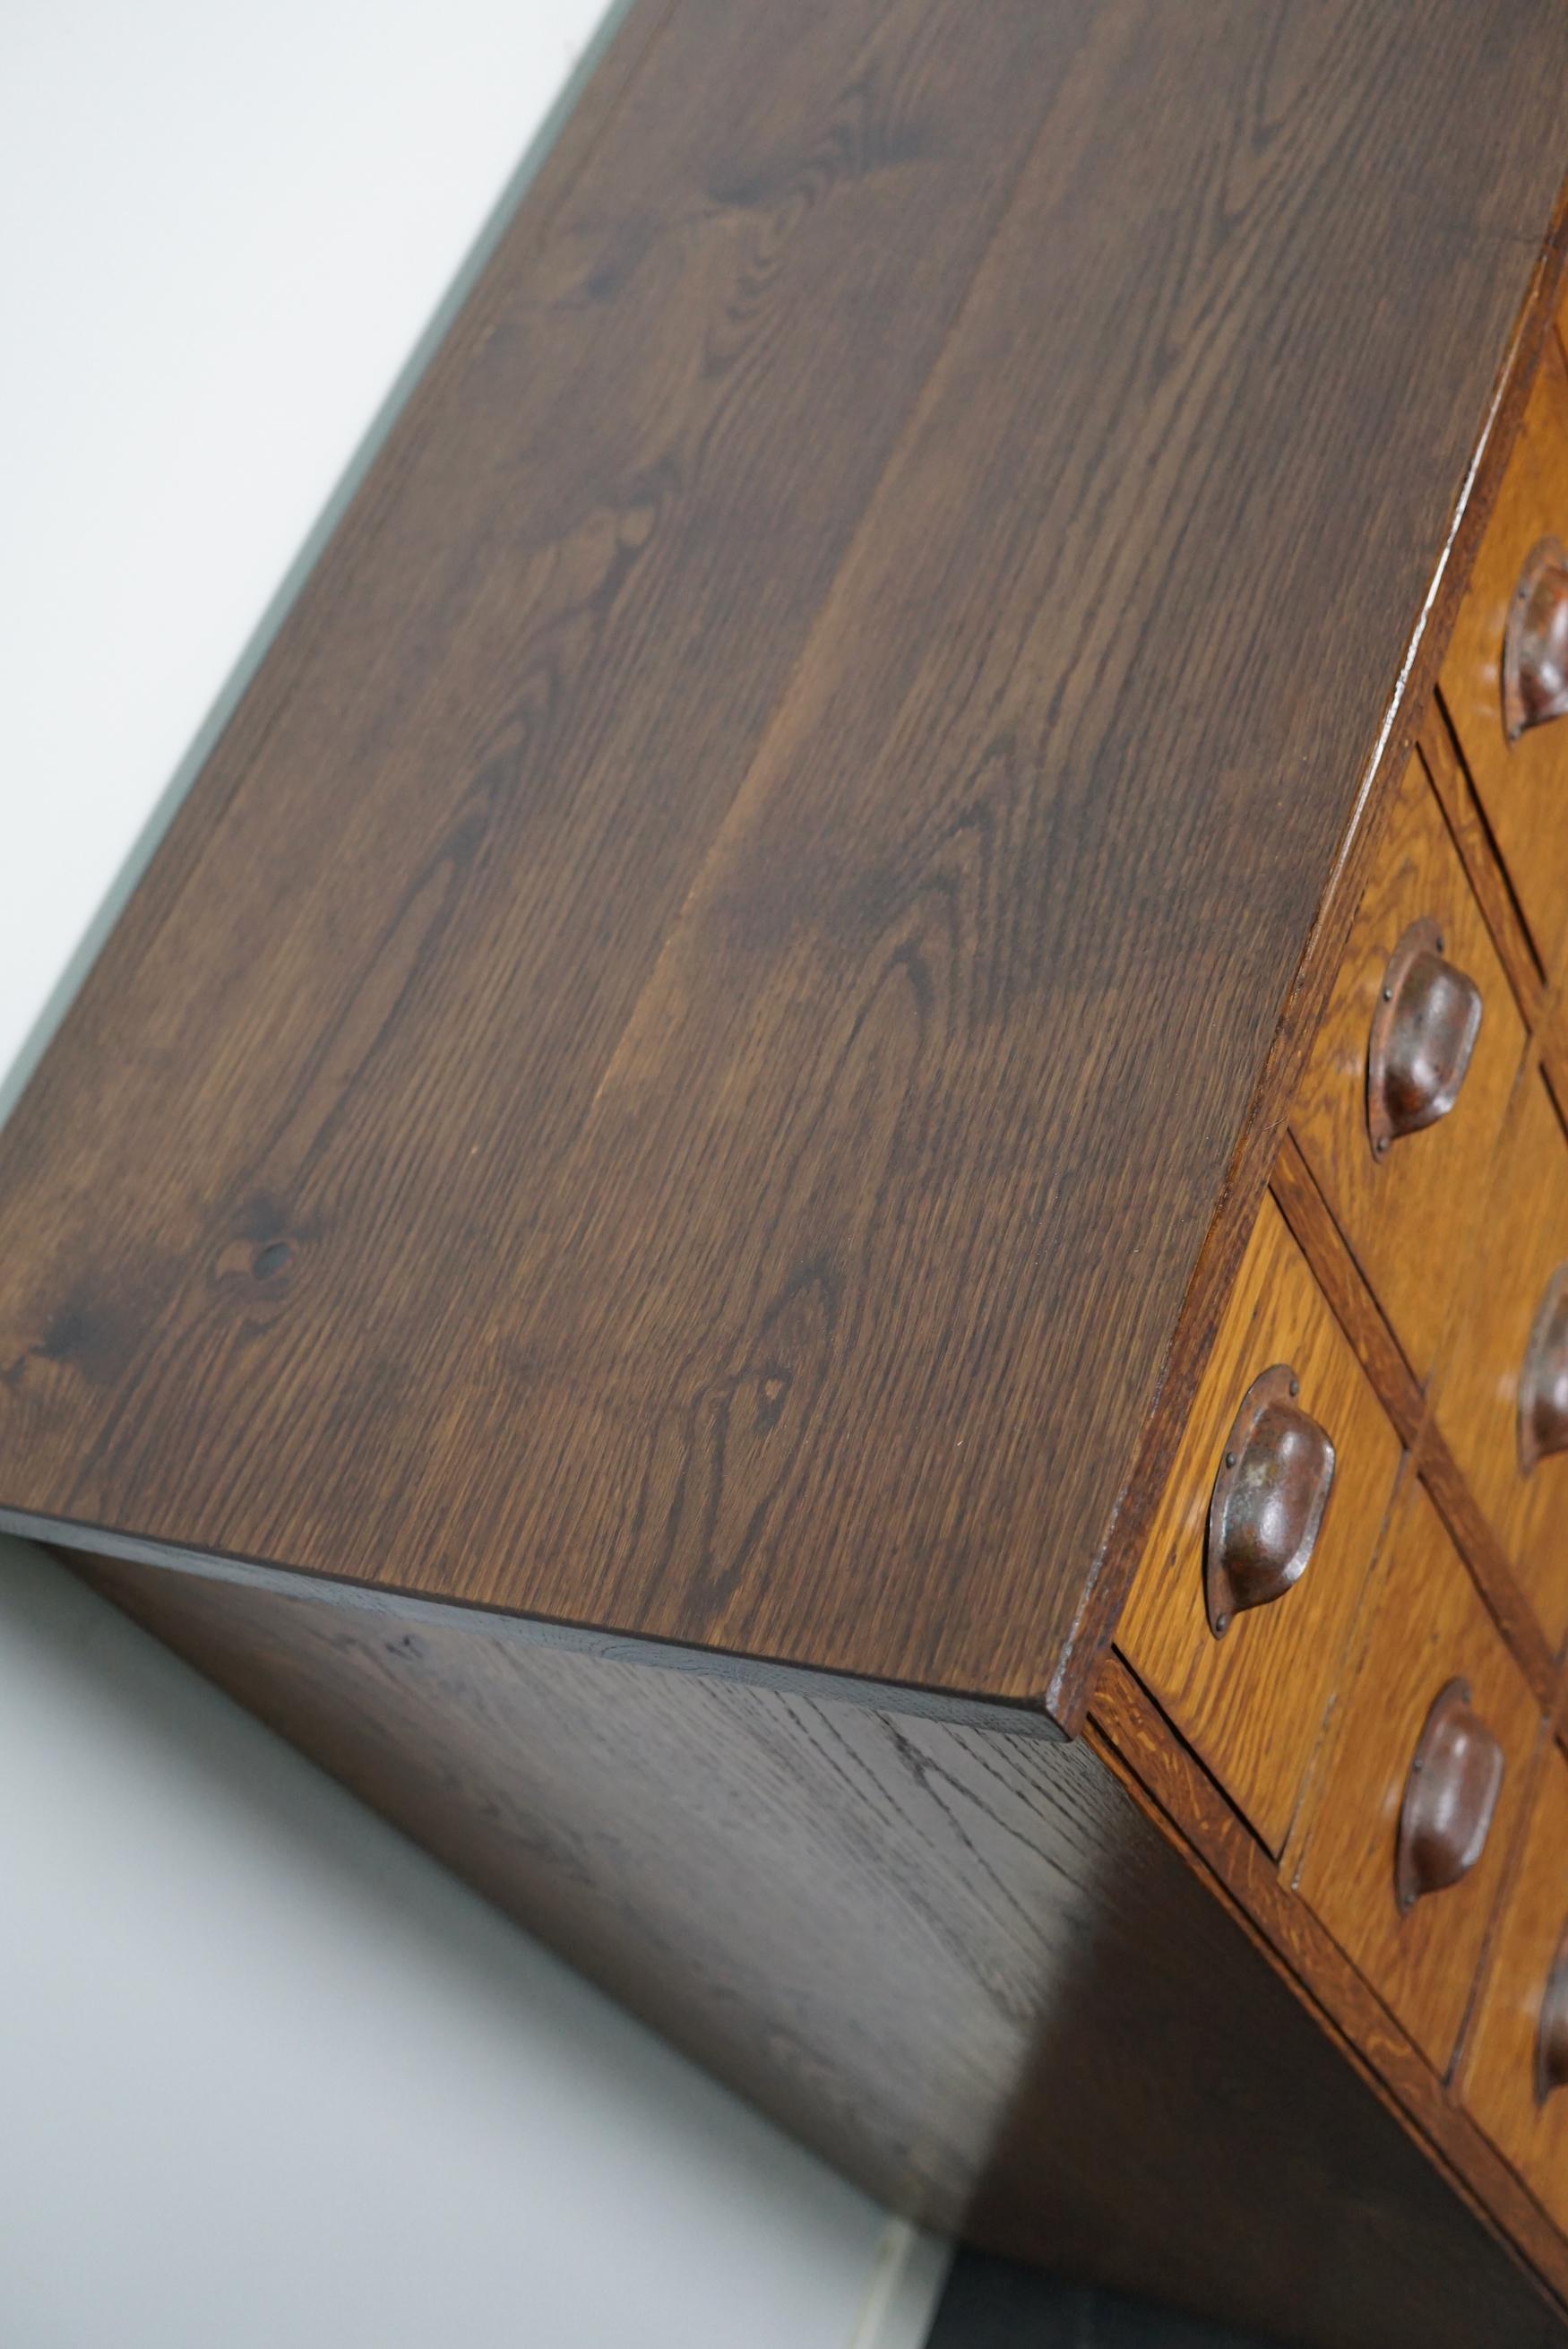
(1423, 1033)
(1543, 1380)
(1551, 2030)
(1535, 642)
(1450, 1795)
(1269, 1496)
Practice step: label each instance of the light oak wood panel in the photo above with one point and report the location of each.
(1522, 1239)
(1407, 1213)
(1250, 1703)
(1425, 1626)
(1523, 786)
(1497, 2076)
(1360, 1316)
(1168, 1776)
(1488, 875)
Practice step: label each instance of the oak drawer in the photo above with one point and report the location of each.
(1430, 1670)
(1251, 1700)
(1399, 1039)
(1510, 2074)
(1522, 781)
(1499, 1354)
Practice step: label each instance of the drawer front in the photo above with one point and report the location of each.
(1505, 1348)
(1522, 781)
(1432, 1683)
(1404, 1159)
(1511, 2078)
(1251, 1700)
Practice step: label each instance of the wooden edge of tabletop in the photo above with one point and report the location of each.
(66, 1539)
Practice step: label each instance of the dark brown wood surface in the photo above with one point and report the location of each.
(678, 1067)
(966, 1965)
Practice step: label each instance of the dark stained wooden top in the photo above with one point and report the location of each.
(675, 1070)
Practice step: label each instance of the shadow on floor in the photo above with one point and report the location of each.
(998, 2304)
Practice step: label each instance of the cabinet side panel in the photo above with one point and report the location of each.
(961, 1965)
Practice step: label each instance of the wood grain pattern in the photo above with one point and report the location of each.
(1408, 1216)
(1552, 1037)
(1137, 1738)
(1488, 875)
(1251, 1704)
(1293, 1189)
(707, 1128)
(1425, 1626)
(1497, 2077)
(412, 1609)
(1522, 784)
(550, 674)
(1358, 1314)
(1492, 1569)
(1475, 1395)
(1263, 1132)
(967, 1966)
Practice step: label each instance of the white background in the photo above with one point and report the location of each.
(268, 2078)
(223, 232)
